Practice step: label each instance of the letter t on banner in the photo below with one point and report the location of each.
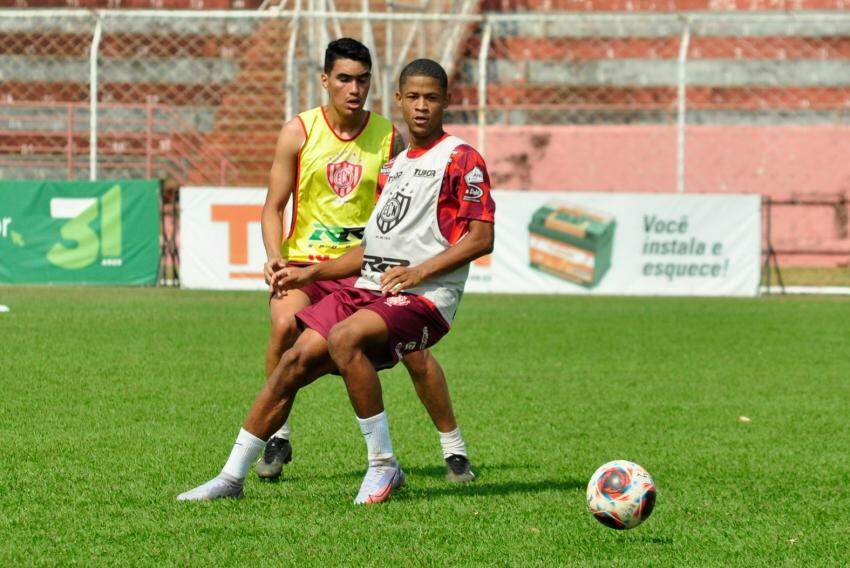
(237, 217)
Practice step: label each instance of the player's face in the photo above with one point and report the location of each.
(422, 105)
(347, 85)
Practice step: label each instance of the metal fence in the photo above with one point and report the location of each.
(636, 102)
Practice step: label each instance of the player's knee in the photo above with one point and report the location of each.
(293, 366)
(417, 364)
(284, 327)
(343, 342)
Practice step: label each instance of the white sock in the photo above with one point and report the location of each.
(284, 431)
(452, 443)
(376, 431)
(245, 452)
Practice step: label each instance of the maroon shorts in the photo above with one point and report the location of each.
(413, 322)
(321, 288)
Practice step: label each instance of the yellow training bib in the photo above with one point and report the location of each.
(336, 186)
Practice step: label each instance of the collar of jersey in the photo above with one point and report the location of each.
(418, 152)
(340, 138)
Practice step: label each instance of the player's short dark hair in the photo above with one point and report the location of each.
(346, 48)
(424, 68)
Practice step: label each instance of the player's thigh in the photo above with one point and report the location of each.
(364, 330)
(282, 310)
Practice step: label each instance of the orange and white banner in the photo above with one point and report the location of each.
(221, 242)
(546, 243)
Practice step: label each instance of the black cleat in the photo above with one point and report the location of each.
(458, 469)
(278, 453)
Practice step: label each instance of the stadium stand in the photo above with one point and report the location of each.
(610, 73)
(205, 87)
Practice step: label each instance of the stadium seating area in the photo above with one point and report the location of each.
(618, 73)
(222, 85)
(226, 81)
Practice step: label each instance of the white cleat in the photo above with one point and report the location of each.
(380, 481)
(222, 486)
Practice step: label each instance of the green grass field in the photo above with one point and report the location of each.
(116, 400)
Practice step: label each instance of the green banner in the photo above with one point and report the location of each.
(74, 232)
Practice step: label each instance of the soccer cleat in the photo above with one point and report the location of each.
(222, 486)
(379, 483)
(278, 452)
(458, 469)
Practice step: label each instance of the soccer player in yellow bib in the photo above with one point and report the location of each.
(327, 161)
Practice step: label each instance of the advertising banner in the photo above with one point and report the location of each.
(76, 232)
(221, 242)
(546, 243)
(623, 244)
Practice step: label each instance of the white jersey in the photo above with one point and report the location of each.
(404, 229)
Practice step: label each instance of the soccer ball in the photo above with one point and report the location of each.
(621, 495)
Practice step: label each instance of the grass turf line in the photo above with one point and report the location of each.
(115, 400)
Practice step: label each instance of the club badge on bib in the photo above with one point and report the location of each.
(393, 212)
(343, 177)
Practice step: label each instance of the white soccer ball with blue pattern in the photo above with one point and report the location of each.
(621, 495)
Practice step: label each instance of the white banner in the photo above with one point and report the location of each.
(546, 243)
(221, 243)
(623, 244)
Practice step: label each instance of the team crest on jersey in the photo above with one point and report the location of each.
(343, 177)
(393, 212)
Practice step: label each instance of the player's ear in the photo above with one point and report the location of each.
(447, 98)
(325, 81)
(398, 97)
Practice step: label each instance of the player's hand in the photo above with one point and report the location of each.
(270, 267)
(289, 278)
(401, 278)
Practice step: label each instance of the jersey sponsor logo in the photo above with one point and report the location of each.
(397, 301)
(424, 173)
(381, 264)
(475, 175)
(336, 235)
(393, 212)
(343, 177)
(473, 193)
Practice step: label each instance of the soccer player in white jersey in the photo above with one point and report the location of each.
(328, 161)
(433, 218)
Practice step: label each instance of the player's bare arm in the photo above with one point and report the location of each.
(281, 183)
(288, 278)
(477, 243)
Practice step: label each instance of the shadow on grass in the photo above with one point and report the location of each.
(439, 471)
(653, 539)
(484, 489)
(432, 471)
